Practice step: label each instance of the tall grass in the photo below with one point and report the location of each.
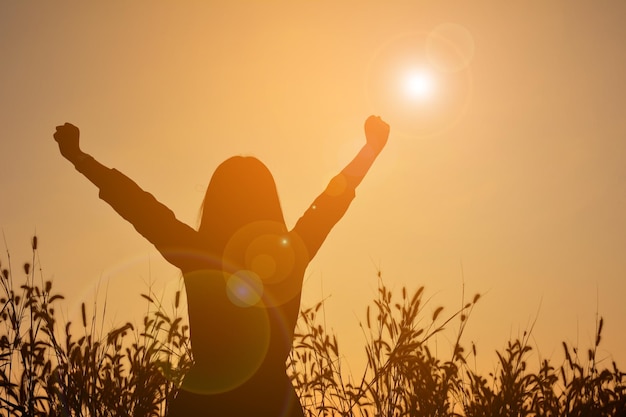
(401, 377)
(53, 369)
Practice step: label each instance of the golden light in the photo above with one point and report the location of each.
(422, 82)
(419, 84)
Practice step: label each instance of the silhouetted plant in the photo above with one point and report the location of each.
(125, 372)
(135, 370)
(516, 391)
(401, 377)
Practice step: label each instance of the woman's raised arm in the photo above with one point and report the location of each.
(331, 205)
(152, 219)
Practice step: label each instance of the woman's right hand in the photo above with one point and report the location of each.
(67, 136)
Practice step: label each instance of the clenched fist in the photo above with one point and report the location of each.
(67, 136)
(376, 132)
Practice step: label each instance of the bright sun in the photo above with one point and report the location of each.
(419, 84)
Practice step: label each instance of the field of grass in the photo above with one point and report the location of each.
(49, 368)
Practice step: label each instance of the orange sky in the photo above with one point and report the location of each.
(511, 174)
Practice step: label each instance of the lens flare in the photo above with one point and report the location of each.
(244, 288)
(450, 47)
(278, 259)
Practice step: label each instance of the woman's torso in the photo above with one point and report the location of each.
(243, 305)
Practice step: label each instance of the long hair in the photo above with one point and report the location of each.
(241, 191)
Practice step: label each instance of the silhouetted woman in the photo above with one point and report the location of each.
(243, 272)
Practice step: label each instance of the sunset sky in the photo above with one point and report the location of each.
(505, 171)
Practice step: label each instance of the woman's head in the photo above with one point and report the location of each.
(241, 191)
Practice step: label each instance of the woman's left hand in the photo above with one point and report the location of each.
(376, 132)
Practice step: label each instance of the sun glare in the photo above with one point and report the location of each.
(417, 80)
(419, 85)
